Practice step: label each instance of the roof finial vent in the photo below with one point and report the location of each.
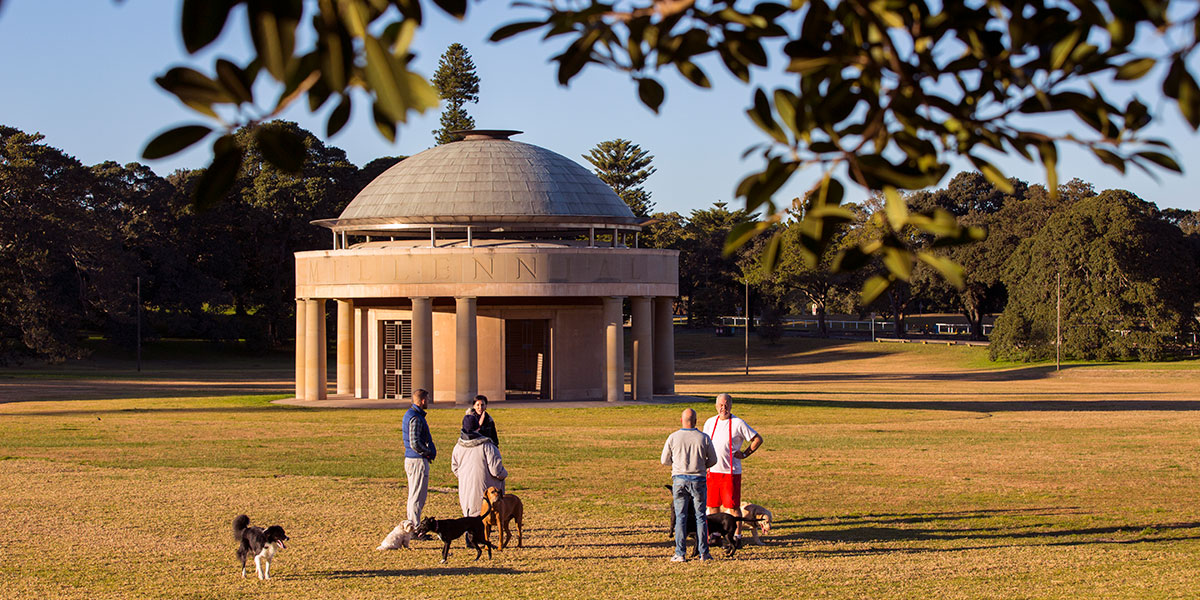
(475, 135)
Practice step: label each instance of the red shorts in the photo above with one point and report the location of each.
(724, 489)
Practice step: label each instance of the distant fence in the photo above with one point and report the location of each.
(959, 329)
(804, 323)
(862, 326)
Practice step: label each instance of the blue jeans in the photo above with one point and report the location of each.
(691, 489)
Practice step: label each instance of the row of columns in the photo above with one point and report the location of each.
(311, 367)
(652, 329)
(653, 360)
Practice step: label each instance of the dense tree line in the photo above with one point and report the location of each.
(1129, 271)
(75, 239)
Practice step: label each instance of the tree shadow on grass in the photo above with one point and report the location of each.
(1001, 375)
(1050, 544)
(808, 357)
(954, 515)
(180, 410)
(1036, 532)
(985, 406)
(428, 572)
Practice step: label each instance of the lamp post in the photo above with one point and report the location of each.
(1058, 322)
(139, 324)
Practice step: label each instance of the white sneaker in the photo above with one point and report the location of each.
(678, 558)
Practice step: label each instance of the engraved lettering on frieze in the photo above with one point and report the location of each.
(351, 270)
(368, 270)
(326, 270)
(443, 268)
(423, 268)
(529, 266)
(342, 269)
(605, 272)
(488, 268)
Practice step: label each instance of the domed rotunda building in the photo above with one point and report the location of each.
(486, 266)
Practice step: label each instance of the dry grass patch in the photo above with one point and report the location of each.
(897, 474)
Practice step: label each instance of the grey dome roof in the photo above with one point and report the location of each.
(485, 179)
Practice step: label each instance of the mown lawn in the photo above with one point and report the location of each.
(892, 474)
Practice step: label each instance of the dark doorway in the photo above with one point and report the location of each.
(527, 358)
(397, 359)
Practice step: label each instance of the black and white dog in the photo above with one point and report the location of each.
(260, 543)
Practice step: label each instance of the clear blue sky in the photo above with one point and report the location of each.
(81, 72)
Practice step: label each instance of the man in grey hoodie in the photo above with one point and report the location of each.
(689, 452)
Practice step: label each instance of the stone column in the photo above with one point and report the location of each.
(323, 350)
(345, 347)
(301, 323)
(614, 344)
(466, 352)
(664, 346)
(643, 348)
(362, 353)
(422, 342)
(314, 325)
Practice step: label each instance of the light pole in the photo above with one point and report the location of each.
(1058, 321)
(139, 324)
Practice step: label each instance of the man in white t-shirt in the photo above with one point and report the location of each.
(728, 433)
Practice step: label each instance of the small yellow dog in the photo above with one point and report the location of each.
(500, 509)
(762, 519)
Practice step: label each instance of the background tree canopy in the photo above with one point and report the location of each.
(1128, 284)
(624, 166)
(74, 240)
(457, 84)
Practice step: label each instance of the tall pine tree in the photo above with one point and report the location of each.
(457, 84)
(623, 165)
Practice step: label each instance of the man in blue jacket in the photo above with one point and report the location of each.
(418, 452)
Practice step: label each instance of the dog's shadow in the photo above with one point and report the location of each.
(430, 572)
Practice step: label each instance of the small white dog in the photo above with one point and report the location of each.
(399, 537)
(763, 519)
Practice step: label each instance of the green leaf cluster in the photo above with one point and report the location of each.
(356, 44)
(887, 92)
(892, 90)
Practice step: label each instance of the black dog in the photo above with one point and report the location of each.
(449, 530)
(259, 543)
(721, 528)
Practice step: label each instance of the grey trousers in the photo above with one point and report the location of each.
(417, 470)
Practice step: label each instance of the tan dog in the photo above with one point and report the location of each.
(762, 518)
(502, 508)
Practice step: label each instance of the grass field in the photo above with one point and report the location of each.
(893, 472)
